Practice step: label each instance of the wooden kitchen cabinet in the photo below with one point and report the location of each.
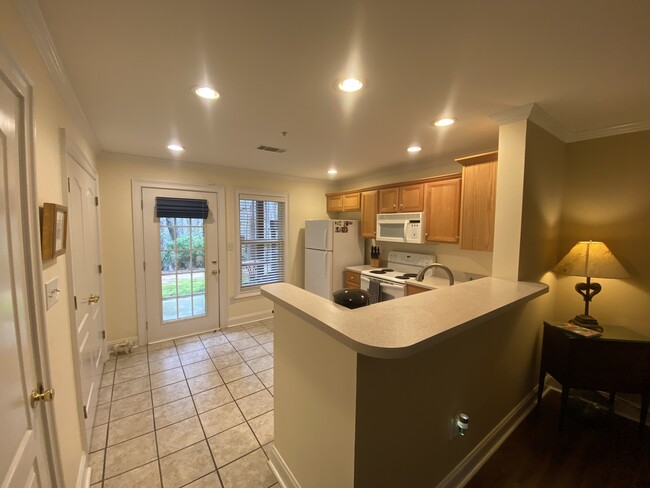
(478, 201)
(352, 279)
(344, 202)
(369, 213)
(442, 210)
(405, 198)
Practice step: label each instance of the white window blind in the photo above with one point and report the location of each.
(261, 241)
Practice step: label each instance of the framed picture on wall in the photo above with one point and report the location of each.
(54, 230)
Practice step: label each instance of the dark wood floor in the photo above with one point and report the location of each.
(592, 450)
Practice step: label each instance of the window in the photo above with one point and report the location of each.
(262, 233)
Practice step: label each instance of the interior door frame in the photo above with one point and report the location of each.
(19, 80)
(138, 247)
(70, 149)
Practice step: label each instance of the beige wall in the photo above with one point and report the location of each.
(607, 198)
(50, 114)
(116, 172)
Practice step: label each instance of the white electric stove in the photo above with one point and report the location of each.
(401, 267)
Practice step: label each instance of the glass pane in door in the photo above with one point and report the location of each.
(182, 268)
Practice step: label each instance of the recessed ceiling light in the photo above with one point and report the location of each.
(206, 92)
(444, 122)
(350, 85)
(175, 147)
(414, 149)
(332, 171)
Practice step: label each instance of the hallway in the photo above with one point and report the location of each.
(195, 412)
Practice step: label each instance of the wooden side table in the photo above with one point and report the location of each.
(617, 362)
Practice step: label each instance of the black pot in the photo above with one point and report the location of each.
(351, 297)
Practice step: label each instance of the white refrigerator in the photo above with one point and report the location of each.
(330, 246)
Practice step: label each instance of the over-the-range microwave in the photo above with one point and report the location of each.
(401, 227)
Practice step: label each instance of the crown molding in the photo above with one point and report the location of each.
(37, 27)
(539, 117)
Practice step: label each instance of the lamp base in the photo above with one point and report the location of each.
(587, 321)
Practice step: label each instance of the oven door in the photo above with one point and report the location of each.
(390, 291)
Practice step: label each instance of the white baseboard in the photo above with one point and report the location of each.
(250, 317)
(83, 477)
(281, 471)
(469, 466)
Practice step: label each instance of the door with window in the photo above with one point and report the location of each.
(181, 264)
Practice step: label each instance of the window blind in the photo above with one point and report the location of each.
(262, 241)
(182, 208)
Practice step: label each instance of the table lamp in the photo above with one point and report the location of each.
(592, 260)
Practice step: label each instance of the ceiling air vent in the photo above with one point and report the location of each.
(271, 149)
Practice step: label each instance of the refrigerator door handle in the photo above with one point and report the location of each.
(325, 231)
(325, 255)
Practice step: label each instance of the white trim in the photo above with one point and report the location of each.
(33, 261)
(37, 27)
(84, 473)
(535, 114)
(281, 471)
(470, 465)
(250, 317)
(138, 248)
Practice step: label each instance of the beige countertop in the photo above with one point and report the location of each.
(405, 326)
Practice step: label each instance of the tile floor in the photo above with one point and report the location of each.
(194, 412)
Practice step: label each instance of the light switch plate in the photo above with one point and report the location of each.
(52, 292)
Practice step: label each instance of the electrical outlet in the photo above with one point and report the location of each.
(52, 292)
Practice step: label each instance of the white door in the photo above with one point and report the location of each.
(83, 224)
(181, 268)
(23, 459)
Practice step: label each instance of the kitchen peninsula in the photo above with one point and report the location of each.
(364, 397)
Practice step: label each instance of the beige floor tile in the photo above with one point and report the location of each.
(131, 373)
(109, 366)
(196, 345)
(245, 386)
(209, 481)
(138, 350)
(167, 377)
(102, 413)
(187, 340)
(267, 449)
(220, 350)
(197, 369)
(232, 373)
(263, 427)
(130, 405)
(131, 387)
(271, 390)
(168, 352)
(264, 338)
(232, 444)
(170, 393)
(213, 333)
(204, 382)
(209, 399)
(164, 364)
(173, 412)
(236, 334)
(266, 377)
(186, 465)
(96, 464)
(257, 330)
(147, 476)
(251, 325)
(261, 364)
(244, 344)
(107, 379)
(128, 361)
(130, 454)
(269, 346)
(129, 427)
(220, 419)
(160, 345)
(268, 323)
(98, 438)
(251, 471)
(256, 404)
(226, 360)
(253, 352)
(194, 357)
(104, 395)
(178, 436)
(214, 340)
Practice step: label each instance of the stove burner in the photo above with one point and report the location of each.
(381, 271)
(404, 276)
(410, 275)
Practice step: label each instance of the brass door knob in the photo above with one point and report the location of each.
(214, 271)
(39, 394)
(93, 298)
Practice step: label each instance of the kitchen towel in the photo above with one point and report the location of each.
(373, 291)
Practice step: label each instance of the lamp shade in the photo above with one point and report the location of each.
(592, 259)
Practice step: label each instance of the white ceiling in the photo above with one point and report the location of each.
(276, 63)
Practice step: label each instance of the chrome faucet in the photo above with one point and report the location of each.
(420, 275)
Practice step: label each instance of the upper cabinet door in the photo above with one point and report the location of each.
(389, 200)
(411, 198)
(369, 213)
(442, 207)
